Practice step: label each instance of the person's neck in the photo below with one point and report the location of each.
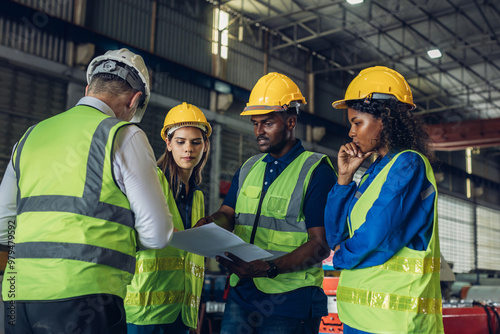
(287, 148)
(383, 151)
(185, 175)
(116, 103)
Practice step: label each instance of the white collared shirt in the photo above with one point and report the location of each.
(134, 168)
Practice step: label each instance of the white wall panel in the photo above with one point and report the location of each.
(456, 232)
(488, 230)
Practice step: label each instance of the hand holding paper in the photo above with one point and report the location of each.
(211, 240)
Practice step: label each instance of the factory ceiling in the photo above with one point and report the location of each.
(460, 86)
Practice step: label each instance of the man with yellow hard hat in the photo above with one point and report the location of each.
(276, 201)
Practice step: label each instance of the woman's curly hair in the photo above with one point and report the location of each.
(401, 130)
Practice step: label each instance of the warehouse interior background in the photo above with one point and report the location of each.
(211, 53)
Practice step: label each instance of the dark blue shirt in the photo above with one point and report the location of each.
(184, 201)
(304, 303)
(401, 215)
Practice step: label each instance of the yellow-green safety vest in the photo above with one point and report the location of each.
(281, 223)
(168, 281)
(75, 231)
(402, 295)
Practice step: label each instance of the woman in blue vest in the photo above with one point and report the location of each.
(384, 230)
(164, 296)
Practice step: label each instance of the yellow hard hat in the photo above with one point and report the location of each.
(273, 92)
(377, 80)
(185, 114)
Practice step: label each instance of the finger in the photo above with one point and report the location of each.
(225, 262)
(235, 259)
(367, 154)
(202, 221)
(353, 149)
(344, 151)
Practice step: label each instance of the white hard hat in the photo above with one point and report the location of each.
(128, 66)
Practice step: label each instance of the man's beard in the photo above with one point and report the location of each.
(276, 148)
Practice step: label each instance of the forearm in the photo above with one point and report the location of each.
(336, 212)
(8, 199)
(223, 220)
(307, 255)
(399, 217)
(136, 173)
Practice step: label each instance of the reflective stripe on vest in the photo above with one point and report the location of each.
(87, 205)
(389, 301)
(164, 264)
(154, 298)
(403, 294)
(168, 281)
(295, 204)
(74, 233)
(281, 226)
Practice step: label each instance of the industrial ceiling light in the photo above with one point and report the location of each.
(435, 53)
(354, 2)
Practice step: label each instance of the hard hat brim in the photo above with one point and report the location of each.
(261, 110)
(340, 104)
(205, 127)
(266, 109)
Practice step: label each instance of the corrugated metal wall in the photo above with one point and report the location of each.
(152, 123)
(59, 8)
(236, 149)
(128, 21)
(181, 90)
(186, 39)
(296, 73)
(245, 64)
(29, 37)
(325, 93)
(25, 99)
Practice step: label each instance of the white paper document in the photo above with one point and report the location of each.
(211, 240)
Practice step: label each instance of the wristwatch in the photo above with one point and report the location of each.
(273, 270)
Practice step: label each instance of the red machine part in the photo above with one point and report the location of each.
(456, 320)
(469, 320)
(331, 323)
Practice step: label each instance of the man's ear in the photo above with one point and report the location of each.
(134, 100)
(87, 90)
(291, 122)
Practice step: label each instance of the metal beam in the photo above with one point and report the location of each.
(306, 9)
(308, 38)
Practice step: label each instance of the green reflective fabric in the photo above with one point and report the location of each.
(426, 265)
(168, 281)
(168, 263)
(388, 301)
(403, 294)
(281, 225)
(163, 298)
(74, 224)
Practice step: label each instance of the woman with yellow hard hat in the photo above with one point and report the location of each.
(384, 230)
(164, 296)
